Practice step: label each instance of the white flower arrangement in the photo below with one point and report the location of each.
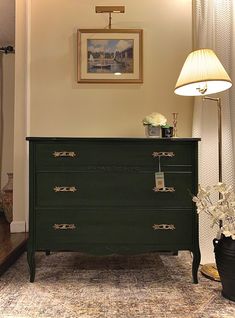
(155, 119)
(222, 211)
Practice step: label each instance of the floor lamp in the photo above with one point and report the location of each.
(203, 74)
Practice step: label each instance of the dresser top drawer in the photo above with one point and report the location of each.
(71, 153)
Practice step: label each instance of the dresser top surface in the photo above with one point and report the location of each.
(110, 139)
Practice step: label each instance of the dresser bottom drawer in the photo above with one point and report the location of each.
(67, 230)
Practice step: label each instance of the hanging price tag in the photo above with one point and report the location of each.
(159, 180)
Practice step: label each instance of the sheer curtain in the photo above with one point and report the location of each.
(213, 28)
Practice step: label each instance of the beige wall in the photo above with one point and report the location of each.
(8, 68)
(59, 106)
(62, 107)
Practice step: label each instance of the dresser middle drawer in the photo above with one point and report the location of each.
(112, 189)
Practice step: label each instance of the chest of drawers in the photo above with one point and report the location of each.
(98, 195)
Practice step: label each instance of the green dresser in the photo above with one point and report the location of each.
(99, 195)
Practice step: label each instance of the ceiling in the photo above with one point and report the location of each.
(7, 22)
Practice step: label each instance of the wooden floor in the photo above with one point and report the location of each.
(12, 245)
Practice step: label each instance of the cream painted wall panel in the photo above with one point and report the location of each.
(62, 107)
(20, 164)
(8, 62)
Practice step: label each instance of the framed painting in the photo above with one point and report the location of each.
(110, 56)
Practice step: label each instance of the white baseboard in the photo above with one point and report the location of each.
(17, 226)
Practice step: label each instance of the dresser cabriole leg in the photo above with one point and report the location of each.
(195, 265)
(31, 263)
(48, 252)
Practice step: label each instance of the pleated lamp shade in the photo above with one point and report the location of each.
(202, 73)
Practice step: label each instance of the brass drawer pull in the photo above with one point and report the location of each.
(165, 189)
(64, 226)
(163, 227)
(163, 154)
(71, 154)
(65, 189)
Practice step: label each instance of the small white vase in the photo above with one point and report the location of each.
(153, 131)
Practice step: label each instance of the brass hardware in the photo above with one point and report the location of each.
(64, 226)
(210, 271)
(165, 189)
(163, 227)
(57, 154)
(175, 115)
(163, 154)
(110, 10)
(65, 189)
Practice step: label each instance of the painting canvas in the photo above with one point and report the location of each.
(109, 56)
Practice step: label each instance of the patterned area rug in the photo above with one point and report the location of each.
(73, 285)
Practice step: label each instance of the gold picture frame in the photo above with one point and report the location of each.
(110, 56)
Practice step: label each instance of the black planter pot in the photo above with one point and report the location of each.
(225, 260)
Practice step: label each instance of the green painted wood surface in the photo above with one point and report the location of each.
(109, 153)
(119, 226)
(112, 188)
(114, 206)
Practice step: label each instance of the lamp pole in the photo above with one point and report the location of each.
(218, 100)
